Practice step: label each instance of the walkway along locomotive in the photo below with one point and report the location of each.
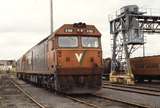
(69, 60)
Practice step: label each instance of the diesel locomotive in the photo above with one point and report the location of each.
(68, 61)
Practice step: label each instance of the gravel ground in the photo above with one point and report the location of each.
(11, 97)
(152, 101)
(52, 100)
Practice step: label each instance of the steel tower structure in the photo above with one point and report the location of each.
(127, 31)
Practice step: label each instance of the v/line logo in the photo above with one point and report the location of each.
(79, 56)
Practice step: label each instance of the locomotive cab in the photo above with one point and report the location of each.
(78, 51)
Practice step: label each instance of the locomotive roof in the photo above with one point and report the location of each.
(77, 29)
(43, 40)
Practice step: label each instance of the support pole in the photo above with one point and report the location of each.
(51, 14)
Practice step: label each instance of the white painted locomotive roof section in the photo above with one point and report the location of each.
(24, 23)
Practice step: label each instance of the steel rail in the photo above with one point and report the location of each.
(81, 101)
(122, 101)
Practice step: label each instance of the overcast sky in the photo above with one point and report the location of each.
(23, 23)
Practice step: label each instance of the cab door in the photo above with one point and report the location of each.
(51, 55)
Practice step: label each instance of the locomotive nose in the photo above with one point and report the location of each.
(80, 69)
(79, 58)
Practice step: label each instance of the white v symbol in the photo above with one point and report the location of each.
(79, 56)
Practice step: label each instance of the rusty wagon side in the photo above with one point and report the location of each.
(142, 67)
(146, 67)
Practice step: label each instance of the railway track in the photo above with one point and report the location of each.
(82, 101)
(133, 89)
(150, 85)
(27, 95)
(122, 101)
(142, 86)
(43, 106)
(93, 101)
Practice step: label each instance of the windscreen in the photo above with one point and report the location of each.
(68, 41)
(92, 42)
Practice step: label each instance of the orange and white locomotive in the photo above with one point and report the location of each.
(69, 60)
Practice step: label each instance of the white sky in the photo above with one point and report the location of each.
(23, 23)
